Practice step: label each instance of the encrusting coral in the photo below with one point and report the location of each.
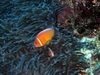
(20, 22)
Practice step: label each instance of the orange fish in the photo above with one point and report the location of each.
(51, 53)
(44, 37)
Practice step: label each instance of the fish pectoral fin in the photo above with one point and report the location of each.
(48, 42)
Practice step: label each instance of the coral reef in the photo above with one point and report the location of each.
(20, 22)
(82, 17)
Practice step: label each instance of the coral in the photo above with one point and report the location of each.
(20, 22)
(80, 17)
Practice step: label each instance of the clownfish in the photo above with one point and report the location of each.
(51, 53)
(44, 37)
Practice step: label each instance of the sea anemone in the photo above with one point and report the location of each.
(20, 22)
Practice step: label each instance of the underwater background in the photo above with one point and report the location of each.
(76, 42)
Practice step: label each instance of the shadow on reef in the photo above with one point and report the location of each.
(20, 22)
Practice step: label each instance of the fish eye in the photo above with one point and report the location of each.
(36, 41)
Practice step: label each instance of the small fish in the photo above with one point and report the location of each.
(51, 53)
(44, 37)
